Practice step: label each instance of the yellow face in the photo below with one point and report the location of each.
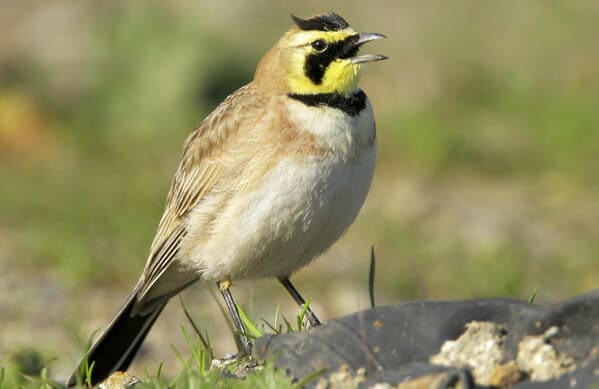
(318, 62)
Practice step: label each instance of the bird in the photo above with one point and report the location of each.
(266, 183)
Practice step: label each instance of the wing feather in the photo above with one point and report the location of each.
(196, 177)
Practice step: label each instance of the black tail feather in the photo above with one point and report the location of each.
(119, 343)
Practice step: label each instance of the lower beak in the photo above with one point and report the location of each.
(363, 38)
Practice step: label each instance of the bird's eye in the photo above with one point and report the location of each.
(319, 45)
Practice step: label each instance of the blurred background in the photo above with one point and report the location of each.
(486, 184)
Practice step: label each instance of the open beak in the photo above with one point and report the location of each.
(364, 37)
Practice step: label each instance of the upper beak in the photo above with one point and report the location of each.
(364, 37)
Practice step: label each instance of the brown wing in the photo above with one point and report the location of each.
(197, 175)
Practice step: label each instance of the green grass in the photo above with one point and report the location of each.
(194, 374)
(27, 369)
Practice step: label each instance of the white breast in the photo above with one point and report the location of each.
(302, 206)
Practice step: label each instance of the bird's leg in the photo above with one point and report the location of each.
(224, 286)
(299, 300)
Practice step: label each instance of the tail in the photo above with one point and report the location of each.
(117, 346)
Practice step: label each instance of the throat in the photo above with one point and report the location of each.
(351, 105)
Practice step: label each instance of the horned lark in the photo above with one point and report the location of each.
(268, 182)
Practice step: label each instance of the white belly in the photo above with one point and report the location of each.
(301, 207)
(298, 213)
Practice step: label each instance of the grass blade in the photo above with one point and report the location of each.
(309, 378)
(289, 328)
(251, 329)
(532, 298)
(371, 274)
(204, 341)
(302, 315)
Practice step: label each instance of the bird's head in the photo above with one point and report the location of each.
(317, 55)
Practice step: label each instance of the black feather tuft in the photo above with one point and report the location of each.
(324, 22)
